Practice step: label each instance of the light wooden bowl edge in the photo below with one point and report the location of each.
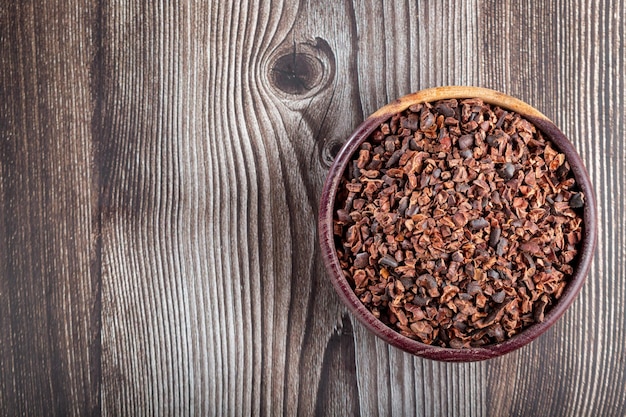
(459, 92)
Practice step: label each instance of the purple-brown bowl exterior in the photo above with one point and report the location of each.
(343, 288)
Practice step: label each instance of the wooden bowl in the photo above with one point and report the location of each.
(343, 288)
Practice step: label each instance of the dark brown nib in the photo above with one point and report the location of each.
(457, 223)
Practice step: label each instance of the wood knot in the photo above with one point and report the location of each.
(296, 73)
(329, 150)
(302, 69)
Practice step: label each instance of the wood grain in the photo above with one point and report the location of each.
(160, 171)
(49, 282)
(581, 93)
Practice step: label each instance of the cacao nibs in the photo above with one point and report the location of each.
(457, 223)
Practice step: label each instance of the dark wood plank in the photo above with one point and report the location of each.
(49, 288)
(566, 62)
(213, 192)
(157, 227)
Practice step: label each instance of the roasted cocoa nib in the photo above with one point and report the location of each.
(457, 223)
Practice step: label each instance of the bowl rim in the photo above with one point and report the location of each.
(391, 336)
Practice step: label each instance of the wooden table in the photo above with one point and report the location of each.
(160, 171)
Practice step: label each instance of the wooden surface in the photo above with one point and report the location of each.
(160, 170)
